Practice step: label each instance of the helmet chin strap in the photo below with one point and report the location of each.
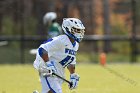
(79, 40)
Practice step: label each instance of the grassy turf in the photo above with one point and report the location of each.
(119, 78)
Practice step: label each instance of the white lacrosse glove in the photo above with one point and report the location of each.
(46, 69)
(74, 78)
(51, 66)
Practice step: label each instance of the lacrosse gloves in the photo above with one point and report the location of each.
(74, 78)
(46, 69)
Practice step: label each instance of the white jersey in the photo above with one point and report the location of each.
(61, 51)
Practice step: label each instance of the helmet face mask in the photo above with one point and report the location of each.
(79, 33)
(74, 28)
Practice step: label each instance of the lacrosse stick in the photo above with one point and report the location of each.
(70, 83)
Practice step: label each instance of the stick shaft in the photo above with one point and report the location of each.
(62, 78)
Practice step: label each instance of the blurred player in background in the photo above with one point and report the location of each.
(53, 28)
(58, 53)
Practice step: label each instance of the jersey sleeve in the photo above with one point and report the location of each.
(52, 45)
(73, 63)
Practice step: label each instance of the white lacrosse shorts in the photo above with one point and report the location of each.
(51, 83)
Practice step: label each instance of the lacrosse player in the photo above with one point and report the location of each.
(58, 53)
(53, 28)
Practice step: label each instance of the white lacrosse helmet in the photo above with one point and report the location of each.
(49, 17)
(74, 28)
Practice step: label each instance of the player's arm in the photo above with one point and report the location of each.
(74, 78)
(46, 50)
(48, 68)
(43, 54)
(71, 68)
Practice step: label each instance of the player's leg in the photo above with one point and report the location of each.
(50, 85)
(54, 84)
(45, 87)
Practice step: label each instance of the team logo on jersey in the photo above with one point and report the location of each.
(70, 51)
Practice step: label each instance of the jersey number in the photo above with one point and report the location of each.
(66, 61)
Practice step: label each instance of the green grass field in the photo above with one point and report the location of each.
(114, 78)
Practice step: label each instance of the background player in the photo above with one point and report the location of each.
(50, 22)
(57, 53)
(51, 25)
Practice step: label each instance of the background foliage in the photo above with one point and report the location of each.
(100, 17)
